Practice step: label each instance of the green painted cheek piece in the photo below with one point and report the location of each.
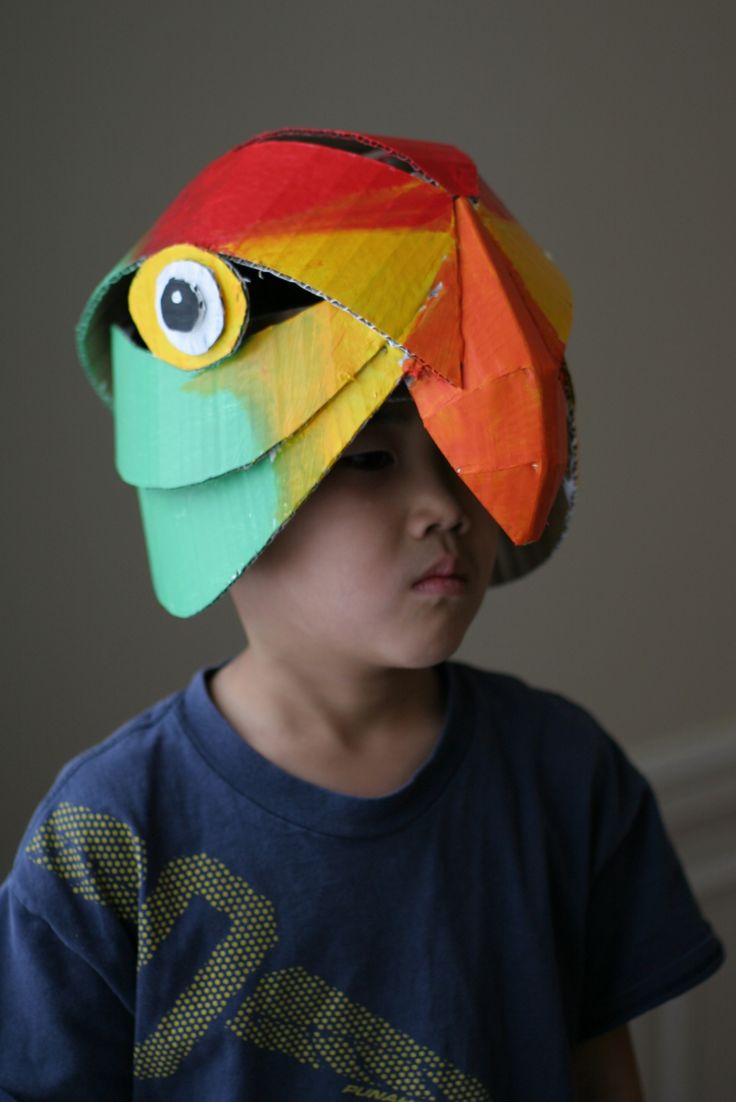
(201, 537)
(175, 428)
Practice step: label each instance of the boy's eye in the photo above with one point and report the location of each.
(368, 461)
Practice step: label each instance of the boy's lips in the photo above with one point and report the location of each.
(446, 567)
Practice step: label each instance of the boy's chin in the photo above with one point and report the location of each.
(428, 652)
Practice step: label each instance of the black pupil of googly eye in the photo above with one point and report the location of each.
(181, 306)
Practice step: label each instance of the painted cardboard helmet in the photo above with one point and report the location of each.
(279, 301)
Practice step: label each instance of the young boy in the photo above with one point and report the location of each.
(341, 864)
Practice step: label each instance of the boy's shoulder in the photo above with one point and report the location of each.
(528, 715)
(526, 722)
(551, 746)
(548, 748)
(118, 771)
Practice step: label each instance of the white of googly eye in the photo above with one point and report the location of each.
(189, 306)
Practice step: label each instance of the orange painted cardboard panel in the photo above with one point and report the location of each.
(544, 288)
(494, 436)
(436, 334)
(486, 428)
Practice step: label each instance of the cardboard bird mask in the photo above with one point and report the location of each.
(278, 302)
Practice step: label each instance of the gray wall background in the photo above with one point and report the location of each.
(608, 129)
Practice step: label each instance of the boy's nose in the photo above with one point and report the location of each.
(438, 498)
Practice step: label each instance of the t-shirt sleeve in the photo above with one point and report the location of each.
(646, 939)
(64, 1033)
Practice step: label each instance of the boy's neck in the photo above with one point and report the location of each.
(362, 736)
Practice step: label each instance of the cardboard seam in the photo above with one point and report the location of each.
(362, 139)
(526, 291)
(340, 306)
(499, 470)
(85, 329)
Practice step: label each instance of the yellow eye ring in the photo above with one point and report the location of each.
(189, 305)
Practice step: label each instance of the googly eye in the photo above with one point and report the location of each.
(189, 305)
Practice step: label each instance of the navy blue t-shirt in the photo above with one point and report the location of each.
(186, 920)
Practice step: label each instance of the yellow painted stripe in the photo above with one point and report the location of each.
(301, 461)
(383, 276)
(545, 283)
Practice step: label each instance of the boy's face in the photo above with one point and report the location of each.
(337, 584)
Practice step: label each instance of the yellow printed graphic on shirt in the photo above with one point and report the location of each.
(289, 1011)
